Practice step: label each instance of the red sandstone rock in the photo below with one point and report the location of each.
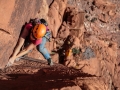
(93, 35)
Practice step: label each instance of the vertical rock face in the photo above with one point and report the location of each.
(55, 15)
(97, 32)
(13, 15)
(85, 36)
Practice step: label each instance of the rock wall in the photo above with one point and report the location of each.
(13, 15)
(85, 36)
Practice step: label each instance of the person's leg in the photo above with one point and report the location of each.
(44, 51)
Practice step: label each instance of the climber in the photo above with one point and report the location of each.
(38, 33)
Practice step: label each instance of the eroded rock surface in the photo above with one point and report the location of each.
(85, 40)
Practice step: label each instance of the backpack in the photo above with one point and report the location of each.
(48, 33)
(43, 21)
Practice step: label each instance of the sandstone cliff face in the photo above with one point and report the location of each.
(85, 36)
(13, 15)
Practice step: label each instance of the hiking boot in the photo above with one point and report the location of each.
(50, 62)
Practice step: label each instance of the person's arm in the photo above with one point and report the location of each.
(23, 52)
(26, 50)
(18, 46)
(20, 42)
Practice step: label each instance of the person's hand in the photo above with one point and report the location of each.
(10, 62)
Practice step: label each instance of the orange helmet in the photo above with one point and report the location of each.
(39, 31)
